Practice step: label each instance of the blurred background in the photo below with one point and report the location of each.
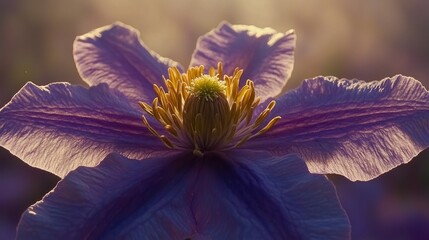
(365, 39)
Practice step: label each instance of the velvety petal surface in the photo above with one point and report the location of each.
(243, 195)
(266, 56)
(60, 126)
(350, 127)
(115, 55)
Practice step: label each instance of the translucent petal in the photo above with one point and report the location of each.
(115, 55)
(350, 127)
(59, 126)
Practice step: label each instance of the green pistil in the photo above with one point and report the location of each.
(207, 87)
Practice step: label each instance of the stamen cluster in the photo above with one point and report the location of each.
(204, 112)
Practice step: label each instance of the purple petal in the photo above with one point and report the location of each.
(59, 126)
(115, 55)
(182, 196)
(265, 55)
(265, 197)
(349, 127)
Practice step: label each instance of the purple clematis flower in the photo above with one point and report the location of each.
(213, 157)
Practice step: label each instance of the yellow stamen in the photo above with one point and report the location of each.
(203, 112)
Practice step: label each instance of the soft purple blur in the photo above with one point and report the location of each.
(363, 39)
(392, 206)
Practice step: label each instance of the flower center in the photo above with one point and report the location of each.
(206, 112)
(202, 112)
